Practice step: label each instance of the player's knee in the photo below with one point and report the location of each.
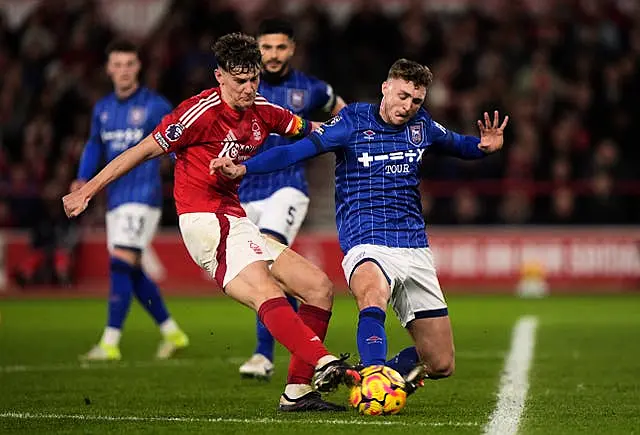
(129, 256)
(441, 366)
(372, 296)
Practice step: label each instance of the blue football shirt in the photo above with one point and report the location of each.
(377, 173)
(117, 125)
(303, 95)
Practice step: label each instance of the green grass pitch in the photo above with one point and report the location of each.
(584, 376)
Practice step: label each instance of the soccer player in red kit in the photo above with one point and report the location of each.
(232, 120)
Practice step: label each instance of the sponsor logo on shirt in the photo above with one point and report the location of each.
(121, 139)
(413, 156)
(236, 151)
(395, 162)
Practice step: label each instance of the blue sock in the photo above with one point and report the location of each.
(405, 361)
(120, 292)
(265, 339)
(149, 296)
(371, 336)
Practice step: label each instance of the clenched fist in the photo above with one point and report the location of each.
(75, 203)
(226, 167)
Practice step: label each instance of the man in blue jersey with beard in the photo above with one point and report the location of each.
(277, 202)
(121, 120)
(379, 149)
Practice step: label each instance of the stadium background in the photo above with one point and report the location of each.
(561, 197)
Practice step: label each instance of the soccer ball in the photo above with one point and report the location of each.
(381, 392)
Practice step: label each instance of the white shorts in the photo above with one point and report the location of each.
(223, 245)
(415, 290)
(132, 226)
(281, 214)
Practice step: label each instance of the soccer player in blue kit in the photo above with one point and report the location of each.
(277, 202)
(379, 149)
(121, 120)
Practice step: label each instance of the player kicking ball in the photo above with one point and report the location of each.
(277, 202)
(231, 120)
(379, 149)
(119, 121)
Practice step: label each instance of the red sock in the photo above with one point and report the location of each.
(318, 320)
(286, 327)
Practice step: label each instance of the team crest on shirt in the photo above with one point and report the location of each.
(104, 116)
(415, 134)
(369, 134)
(296, 99)
(255, 130)
(137, 115)
(174, 131)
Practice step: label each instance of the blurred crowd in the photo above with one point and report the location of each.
(568, 79)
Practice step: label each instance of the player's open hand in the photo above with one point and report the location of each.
(75, 203)
(492, 133)
(226, 167)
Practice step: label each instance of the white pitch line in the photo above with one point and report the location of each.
(357, 422)
(514, 382)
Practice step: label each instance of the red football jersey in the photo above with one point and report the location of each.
(205, 127)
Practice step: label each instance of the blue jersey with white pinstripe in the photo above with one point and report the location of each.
(117, 125)
(303, 95)
(377, 195)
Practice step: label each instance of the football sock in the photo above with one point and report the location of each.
(168, 326)
(148, 294)
(120, 292)
(371, 336)
(286, 327)
(111, 336)
(265, 339)
(404, 361)
(295, 391)
(317, 319)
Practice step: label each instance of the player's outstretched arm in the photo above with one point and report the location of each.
(76, 202)
(271, 160)
(470, 147)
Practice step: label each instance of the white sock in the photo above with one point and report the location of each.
(168, 326)
(325, 360)
(111, 336)
(294, 391)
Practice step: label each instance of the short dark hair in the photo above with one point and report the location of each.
(272, 26)
(411, 71)
(237, 53)
(122, 45)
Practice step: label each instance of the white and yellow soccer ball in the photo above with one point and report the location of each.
(381, 392)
